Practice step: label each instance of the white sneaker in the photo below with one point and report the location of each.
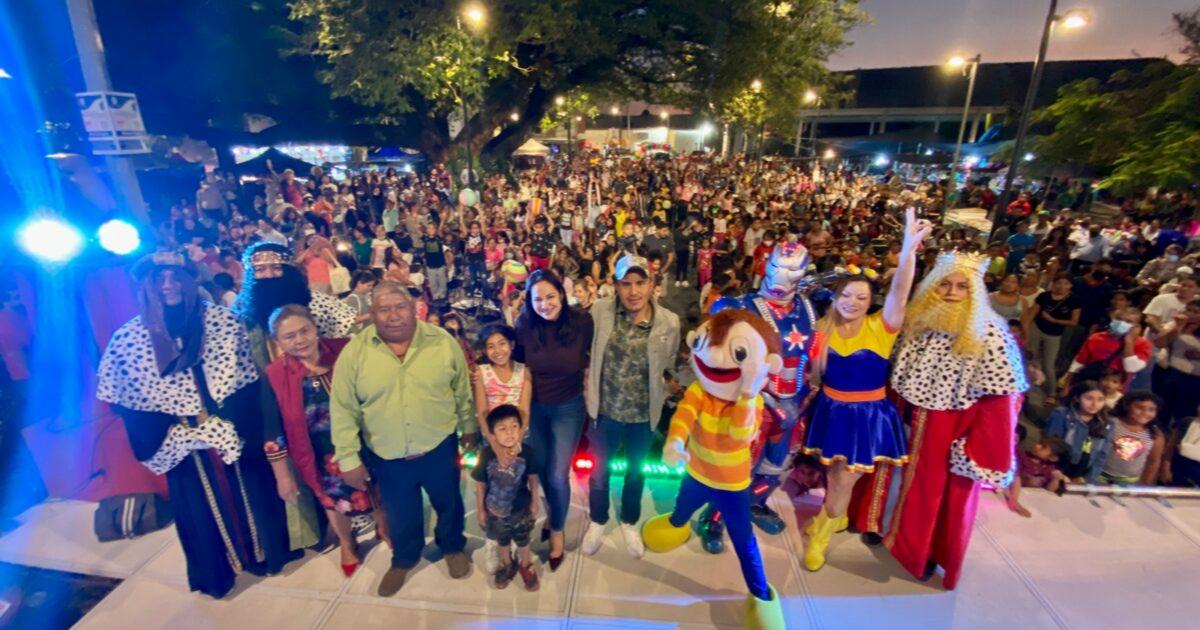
(633, 540)
(491, 556)
(677, 283)
(685, 283)
(593, 538)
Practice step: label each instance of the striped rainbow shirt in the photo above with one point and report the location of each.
(718, 434)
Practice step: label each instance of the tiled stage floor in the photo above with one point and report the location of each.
(1078, 563)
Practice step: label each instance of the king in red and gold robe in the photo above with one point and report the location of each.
(961, 409)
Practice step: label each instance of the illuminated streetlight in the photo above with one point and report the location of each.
(474, 15)
(706, 128)
(1028, 157)
(1072, 19)
(756, 85)
(663, 114)
(829, 154)
(615, 110)
(1076, 18)
(810, 96)
(579, 119)
(955, 62)
(558, 100)
(515, 116)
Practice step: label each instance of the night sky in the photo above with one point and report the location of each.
(926, 32)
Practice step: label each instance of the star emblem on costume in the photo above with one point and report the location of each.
(795, 339)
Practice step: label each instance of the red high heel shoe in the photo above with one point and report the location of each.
(349, 569)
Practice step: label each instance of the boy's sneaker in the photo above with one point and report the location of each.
(686, 283)
(491, 556)
(593, 538)
(505, 574)
(633, 540)
(529, 576)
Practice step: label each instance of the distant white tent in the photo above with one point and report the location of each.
(532, 147)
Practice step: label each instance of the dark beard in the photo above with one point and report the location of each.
(259, 298)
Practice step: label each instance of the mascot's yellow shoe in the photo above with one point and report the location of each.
(819, 533)
(764, 615)
(661, 536)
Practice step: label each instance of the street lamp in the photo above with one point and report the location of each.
(958, 62)
(829, 154)
(1075, 18)
(810, 97)
(475, 16)
(515, 117)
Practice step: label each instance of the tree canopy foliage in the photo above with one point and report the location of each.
(1137, 129)
(416, 60)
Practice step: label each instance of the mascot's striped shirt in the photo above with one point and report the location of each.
(718, 434)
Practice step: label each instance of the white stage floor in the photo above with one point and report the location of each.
(1077, 563)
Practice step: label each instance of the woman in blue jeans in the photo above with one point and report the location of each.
(555, 340)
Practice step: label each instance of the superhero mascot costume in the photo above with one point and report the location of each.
(959, 379)
(787, 310)
(734, 353)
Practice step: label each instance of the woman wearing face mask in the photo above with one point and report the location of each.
(555, 340)
(1121, 348)
(853, 425)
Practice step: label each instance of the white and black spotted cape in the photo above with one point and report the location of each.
(927, 373)
(128, 374)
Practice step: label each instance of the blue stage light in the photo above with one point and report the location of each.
(50, 240)
(119, 237)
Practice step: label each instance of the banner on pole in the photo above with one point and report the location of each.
(113, 122)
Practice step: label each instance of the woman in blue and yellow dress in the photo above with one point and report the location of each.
(853, 425)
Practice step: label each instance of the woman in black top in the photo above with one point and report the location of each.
(1050, 313)
(556, 341)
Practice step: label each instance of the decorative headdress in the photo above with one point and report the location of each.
(149, 263)
(262, 254)
(973, 266)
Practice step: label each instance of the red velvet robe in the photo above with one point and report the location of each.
(935, 511)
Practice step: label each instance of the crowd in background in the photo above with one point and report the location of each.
(1100, 302)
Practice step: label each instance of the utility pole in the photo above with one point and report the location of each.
(90, 49)
(1026, 111)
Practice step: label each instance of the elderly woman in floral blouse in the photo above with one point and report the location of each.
(301, 378)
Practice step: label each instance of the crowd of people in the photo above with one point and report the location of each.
(366, 331)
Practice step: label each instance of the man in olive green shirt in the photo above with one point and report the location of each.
(402, 389)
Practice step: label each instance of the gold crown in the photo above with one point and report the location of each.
(969, 264)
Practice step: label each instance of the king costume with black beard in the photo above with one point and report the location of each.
(260, 297)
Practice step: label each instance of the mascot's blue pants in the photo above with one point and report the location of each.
(734, 506)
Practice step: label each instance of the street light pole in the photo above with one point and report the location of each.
(1026, 111)
(962, 127)
(90, 48)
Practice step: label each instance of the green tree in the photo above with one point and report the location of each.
(411, 62)
(1136, 129)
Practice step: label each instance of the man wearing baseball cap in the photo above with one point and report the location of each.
(635, 340)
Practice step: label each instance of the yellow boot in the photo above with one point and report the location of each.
(843, 524)
(763, 614)
(819, 533)
(660, 535)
